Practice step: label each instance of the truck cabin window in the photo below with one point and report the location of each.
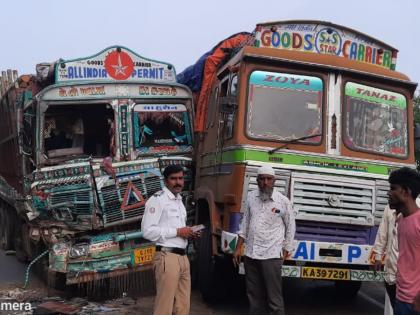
(375, 120)
(161, 125)
(284, 106)
(82, 129)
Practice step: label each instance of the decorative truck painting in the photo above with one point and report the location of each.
(86, 151)
(322, 105)
(325, 38)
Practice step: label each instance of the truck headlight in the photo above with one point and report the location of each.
(79, 250)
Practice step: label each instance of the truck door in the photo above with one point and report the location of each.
(226, 112)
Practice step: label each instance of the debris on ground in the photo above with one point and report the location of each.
(42, 304)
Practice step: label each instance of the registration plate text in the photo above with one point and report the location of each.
(144, 255)
(325, 273)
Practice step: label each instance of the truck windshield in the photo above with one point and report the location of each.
(77, 129)
(284, 106)
(161, 125)
(375, 120)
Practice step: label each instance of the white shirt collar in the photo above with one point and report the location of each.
(170, 194)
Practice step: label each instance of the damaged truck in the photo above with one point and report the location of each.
(82, 146)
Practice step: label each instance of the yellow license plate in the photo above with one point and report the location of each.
(325, 273)
(144, 255)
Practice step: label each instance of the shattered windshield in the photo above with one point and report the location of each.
(161, 125)
(284, 106)
(77, 129)
(375, 120)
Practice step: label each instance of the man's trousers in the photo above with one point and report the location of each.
(264, 286)
(173, 284)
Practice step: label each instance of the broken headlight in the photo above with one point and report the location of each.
(79, 250)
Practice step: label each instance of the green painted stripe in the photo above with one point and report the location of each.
(241, 155)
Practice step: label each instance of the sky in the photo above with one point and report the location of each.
(179, 32)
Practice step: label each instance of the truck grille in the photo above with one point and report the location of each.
(333, 199)
(382, 187)
(332, 232)
(112, 197)
(75, 191)
(250, 183)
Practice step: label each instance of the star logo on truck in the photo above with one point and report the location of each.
(119, 69)
(119, 65)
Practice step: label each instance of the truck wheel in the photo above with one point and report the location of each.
(6, 228)
(209, 280)
(41, 267)
(2, 226)
(56, 280)
(347, 289)
(22, 242)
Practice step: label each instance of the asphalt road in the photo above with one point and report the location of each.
(303, 297)
(11, 271)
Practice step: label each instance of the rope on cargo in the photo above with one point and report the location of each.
(30, 265)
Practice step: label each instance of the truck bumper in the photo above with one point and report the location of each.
(321, 260)
(103, 256)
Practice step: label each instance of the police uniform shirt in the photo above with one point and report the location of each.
(164, 213)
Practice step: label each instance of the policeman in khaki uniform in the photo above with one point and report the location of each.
(164, 222)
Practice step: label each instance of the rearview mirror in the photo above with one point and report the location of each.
(417, 137)
(26, 133)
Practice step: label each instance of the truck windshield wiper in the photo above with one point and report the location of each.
(293, 141)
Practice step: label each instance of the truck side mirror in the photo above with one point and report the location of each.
(26, 133)
(417, 137)
(228, 104)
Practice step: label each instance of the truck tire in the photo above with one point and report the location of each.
(56, 280)
(22, 242)
(2, 224)
(6, 228)
(209, 280)
(347, 289)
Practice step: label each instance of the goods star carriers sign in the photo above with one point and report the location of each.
(325, 38)
(114, 64)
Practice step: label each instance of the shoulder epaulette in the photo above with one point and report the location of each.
(158, 193)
